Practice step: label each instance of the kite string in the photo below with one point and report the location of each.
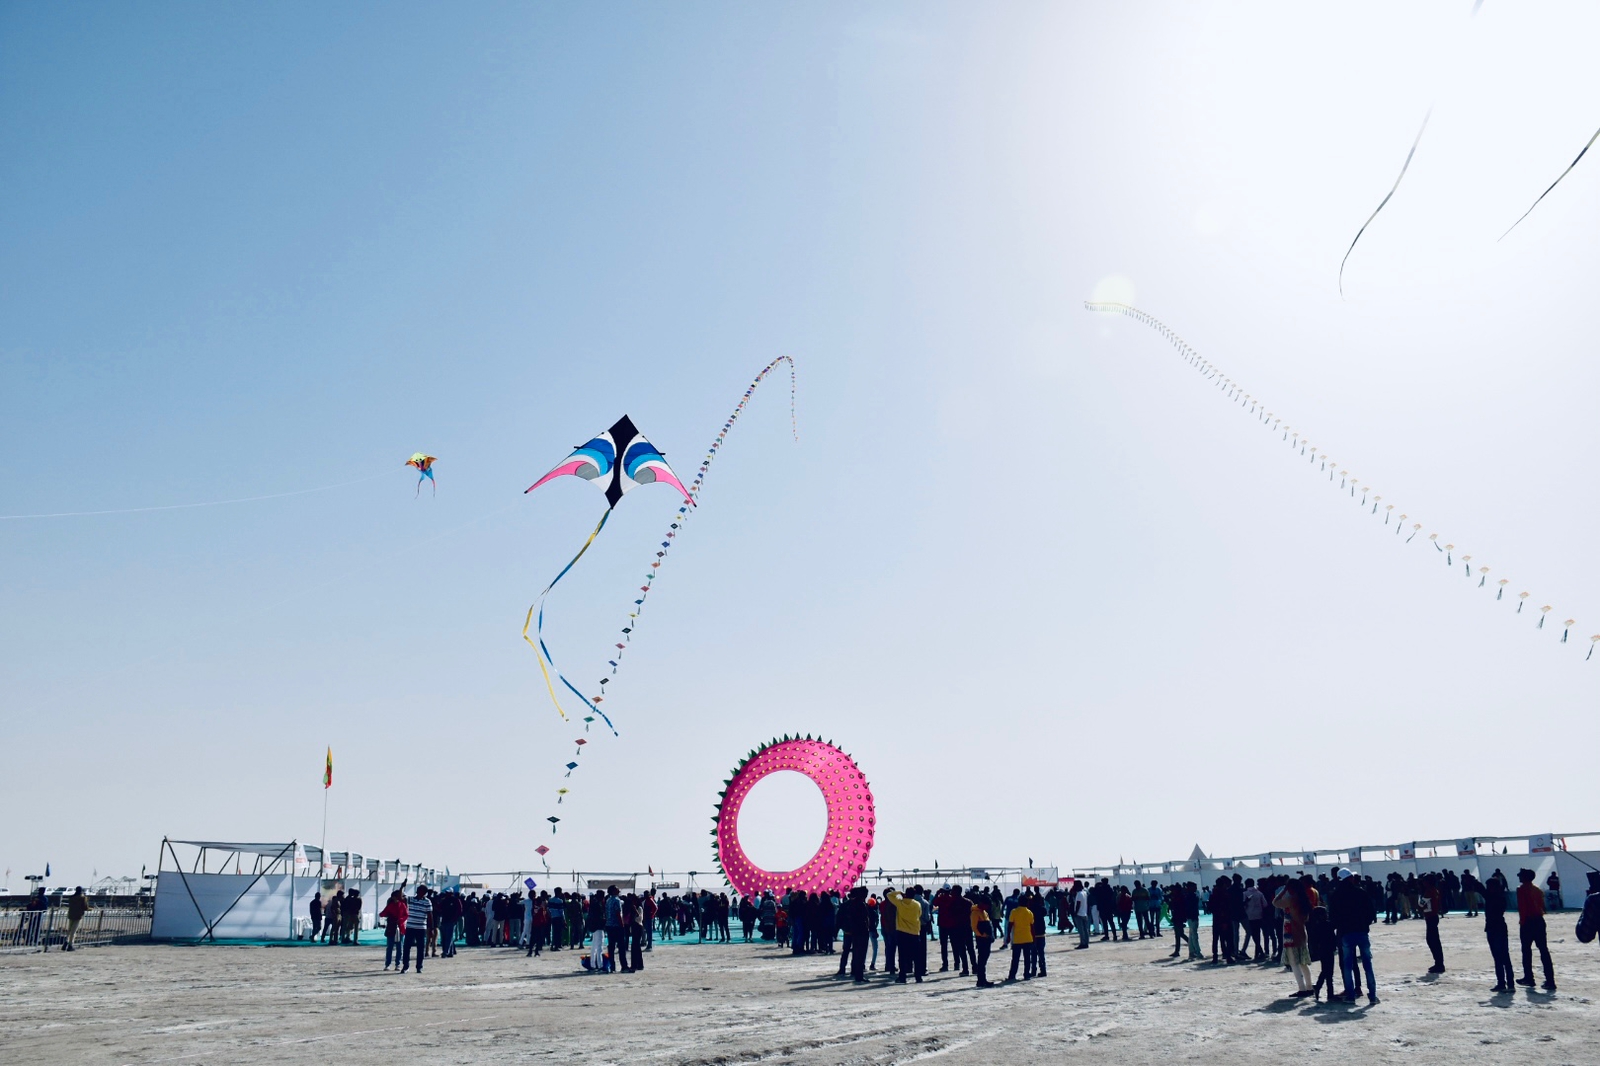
(1211, 372)
(191, 506)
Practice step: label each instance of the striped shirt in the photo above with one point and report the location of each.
(417, 910)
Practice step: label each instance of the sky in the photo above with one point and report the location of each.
(1059, 598)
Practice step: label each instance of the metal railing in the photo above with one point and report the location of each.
(28, 931)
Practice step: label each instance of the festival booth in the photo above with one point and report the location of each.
(238, 891)
(1543, 853)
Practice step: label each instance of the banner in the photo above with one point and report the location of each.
(1465, 848)
(1408, 852)
(1541, 843)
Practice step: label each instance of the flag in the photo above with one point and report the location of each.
(327, 774)
(47, 869)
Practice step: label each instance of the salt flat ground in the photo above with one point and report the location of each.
(1116, 1003)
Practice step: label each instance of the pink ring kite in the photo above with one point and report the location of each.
(842, 858)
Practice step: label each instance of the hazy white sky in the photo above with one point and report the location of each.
(1057, 596)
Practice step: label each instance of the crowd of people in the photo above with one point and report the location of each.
(1297, 922)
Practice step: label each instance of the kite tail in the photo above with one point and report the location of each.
(543, 652)
(1328, 465)
(694, 495)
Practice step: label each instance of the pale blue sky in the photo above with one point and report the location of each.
(1057, 597)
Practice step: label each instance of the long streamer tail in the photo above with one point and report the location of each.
(1403, 168)
(1299, 441)
(538, 645)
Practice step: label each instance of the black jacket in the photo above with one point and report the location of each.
(1351, 908)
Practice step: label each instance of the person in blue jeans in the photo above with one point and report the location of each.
(418, 909)
(1352, 911)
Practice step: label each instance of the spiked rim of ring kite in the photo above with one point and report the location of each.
(842, 857)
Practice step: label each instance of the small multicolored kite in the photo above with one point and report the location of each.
(423, 464)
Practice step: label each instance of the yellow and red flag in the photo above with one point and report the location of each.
(327, 773)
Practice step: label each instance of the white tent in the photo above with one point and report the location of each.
(261, 904)
(254, 891)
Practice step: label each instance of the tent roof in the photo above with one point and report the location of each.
(247, 848)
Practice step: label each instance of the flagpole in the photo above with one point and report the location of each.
(322, 857)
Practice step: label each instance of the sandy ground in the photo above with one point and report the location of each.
(1121, 1003)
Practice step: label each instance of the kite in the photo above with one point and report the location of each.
(423, 464)
(1403, 168)
(552, 820)
(560, 794)
(541, 851)
(1347, 482)
(640, 463)
(1553, 184)
(617, 461)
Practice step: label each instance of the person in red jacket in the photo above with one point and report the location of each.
(394, 927)
(1530, 912)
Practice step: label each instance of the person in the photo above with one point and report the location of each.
(394, 925)
(316, 915)
(1530, 915)
(1589, 920)
(1040, 933)
(595, 923)
(1021, 922)
(1221, 922)
(1321, 943)
(910, 949)
(960, 909)
(633, 933)
(352, 917)
(558, 920)
(1353, 912)
(983, 935)
(1255, 907)
(1191, 917)
(853, 921)
(1296, 902)
(418, 909)
(1494, 930)
(1432, 905)
(1124, 906)
(615, 944)
(889, 918)
(447, 916)
(77, 907)
(1177, 900)
(332, 917)
(1080, 914)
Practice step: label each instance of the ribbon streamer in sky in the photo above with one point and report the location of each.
(1348, 483)
(1553, 184)
(1403, 168)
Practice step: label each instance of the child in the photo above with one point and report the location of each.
(1320, 939)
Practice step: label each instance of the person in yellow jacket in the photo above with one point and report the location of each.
(983, 936)
(911, 948)
(1021, 941)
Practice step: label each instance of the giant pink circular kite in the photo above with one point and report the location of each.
(841, 859)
